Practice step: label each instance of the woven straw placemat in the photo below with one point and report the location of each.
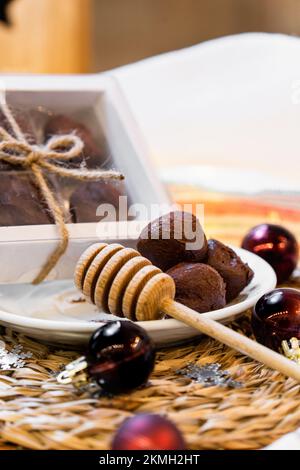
(38, 413)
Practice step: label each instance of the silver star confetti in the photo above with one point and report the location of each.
(13, 359)
(209, 375)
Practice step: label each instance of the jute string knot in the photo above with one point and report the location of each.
(17, 151)
(33, 157)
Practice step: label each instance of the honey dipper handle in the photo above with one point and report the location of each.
(232, 339)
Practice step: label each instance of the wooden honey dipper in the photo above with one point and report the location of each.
(119, 280)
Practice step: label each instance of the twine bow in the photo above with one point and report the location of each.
(15, 150)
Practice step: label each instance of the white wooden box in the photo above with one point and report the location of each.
(24, 249)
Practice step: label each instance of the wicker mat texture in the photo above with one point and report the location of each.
(38, 413)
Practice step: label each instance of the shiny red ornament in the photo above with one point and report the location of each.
(276, 245)
(120, 357)
(276, 317)
(148, 432)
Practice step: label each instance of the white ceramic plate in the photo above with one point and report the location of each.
(51, 312)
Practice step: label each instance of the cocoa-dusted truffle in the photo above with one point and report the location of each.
(20, 201)
(26, 124)
(198, 286)
(236, 274)
(25, 121)
(173, 238)
(93, 154)
(88, 196)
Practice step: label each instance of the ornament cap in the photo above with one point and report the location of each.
(291, 349)
(74, 373)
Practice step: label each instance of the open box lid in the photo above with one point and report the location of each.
(24, 249)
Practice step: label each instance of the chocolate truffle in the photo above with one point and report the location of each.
(93, 154)
(20, 201)
(236, 274)
(198, 286)
(26, 124)
(88, 196)
(173, 238)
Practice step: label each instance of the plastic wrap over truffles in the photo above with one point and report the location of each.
(21, 202)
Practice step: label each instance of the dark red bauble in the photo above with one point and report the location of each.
(276, 245)
(276, 317)
(148, 432)
(120, 356)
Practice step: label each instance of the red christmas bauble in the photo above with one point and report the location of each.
(120, 356)
(276, 245)
(276, 317)
(148, 432)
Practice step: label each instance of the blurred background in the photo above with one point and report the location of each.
(79, 36)
(240, 90)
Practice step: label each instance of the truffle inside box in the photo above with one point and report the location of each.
(96, 111)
